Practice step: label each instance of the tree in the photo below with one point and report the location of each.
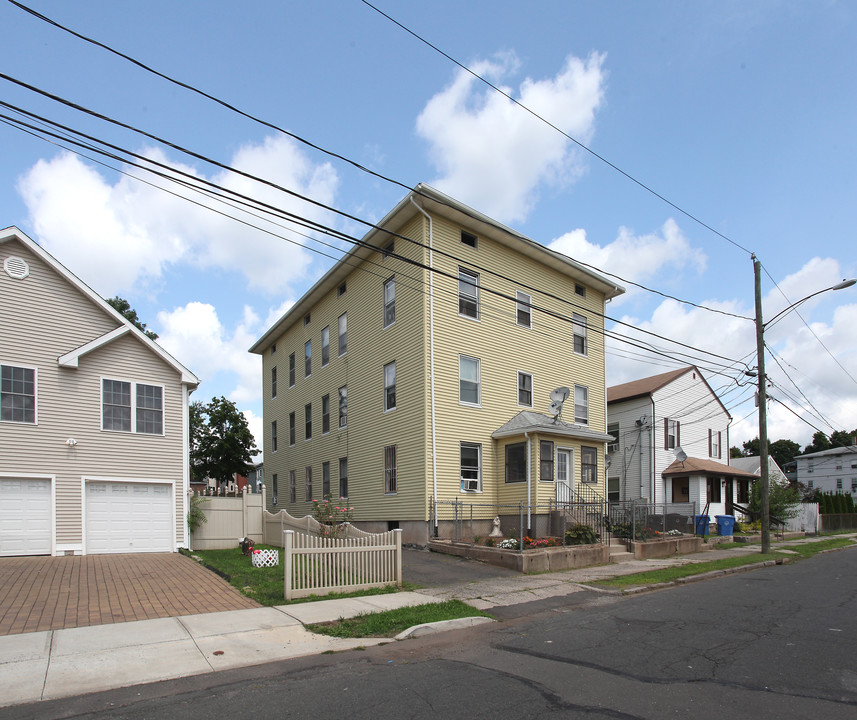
(735, 452)
(123, 307)
(221, 441)
(784, 500)
(783, 451)
(820, 442)
(751, 448)
(842, 438)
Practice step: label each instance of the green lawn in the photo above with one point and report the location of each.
(677, 572)
(392, 622)
(266, 585)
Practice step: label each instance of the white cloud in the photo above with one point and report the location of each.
(495, 155)
(124, 235)
(254, 422)
(641, 258)
(195, 335)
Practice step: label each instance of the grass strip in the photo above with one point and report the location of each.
(266, 584)
(676, 572)
(392, 622)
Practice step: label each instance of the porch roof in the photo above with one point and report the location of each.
(534, 422)
(698, 466)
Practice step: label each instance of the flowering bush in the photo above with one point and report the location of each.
(508, 544)
(332, 515)
(673, 532)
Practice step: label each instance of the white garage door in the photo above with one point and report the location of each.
(25, 516)
(128, 517)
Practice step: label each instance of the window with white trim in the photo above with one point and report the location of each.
(469, 239)
(468, 380)
(524, 310)
(546, 461)
(390, 302)
(132, 407)
(343, 406)
(18, 394)
(838, 483)
(325, 414)
(672, 434)
(471, 467)
(273, 436)
(613, 429)
(390, 470)
(468, 293)
(578, 326)
(325, 346)
(343, 334)
(390, 386)
(308, 358)
(525, 389)
(588, 464)
(516, 463)
(293, 487)
(714, 443)
(581, 405)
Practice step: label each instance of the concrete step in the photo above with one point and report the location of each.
(621, 557)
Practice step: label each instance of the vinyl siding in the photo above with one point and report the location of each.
(56, 320)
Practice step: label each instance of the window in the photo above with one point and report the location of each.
(714, 443)
(274, 436)
(325, 479)
(343, 477)
(613, 494)
(712, 486)
(744, 490)
(471, 467)
(18, 394)
(524, 309)
(306, 319)
(274, 489)
(274, 381)
(853, 485)
(132, 407)
(390, 470)
(325, 415)
(546, 461)
(838, 464)
(468, 293)
(390, 386)
(343, 334)
(291, 428)
(581, 405)
(293, 486)
(613, 445)
(343, 406)
(578, 326)
(838, 483)
(341, 290)
(468, 380)
(809, 467)
(390, 302)
(292, 370)
(308, 358)
(588, 464)
(516, 463)
(671, 434)
(273, 348)
(308, 421)
(469, 239)
(308, 483)
(325, 346)
(579, 290)
(809, 485)
(525, 389)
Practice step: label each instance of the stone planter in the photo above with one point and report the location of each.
(549, 559)
(667, 547)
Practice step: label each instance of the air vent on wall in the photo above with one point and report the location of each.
(16, 267)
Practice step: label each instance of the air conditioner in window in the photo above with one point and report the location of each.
(613, 447)
(472, 485)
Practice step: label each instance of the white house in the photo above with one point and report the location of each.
(833, 470)
(93, 418)
(671, 443)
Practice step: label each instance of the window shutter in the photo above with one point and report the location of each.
(666, 433)
(719, 445)
(677, 433)
(709, 442)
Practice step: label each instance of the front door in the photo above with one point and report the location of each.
(730, 497)
(681, 490)
(564, 475)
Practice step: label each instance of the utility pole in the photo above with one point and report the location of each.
(765, 487)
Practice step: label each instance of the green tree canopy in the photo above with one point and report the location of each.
(783, 451)
(221, 441)
(123, 307)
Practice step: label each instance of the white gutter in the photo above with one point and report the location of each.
(431, 358)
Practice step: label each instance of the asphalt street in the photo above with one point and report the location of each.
(776, 642)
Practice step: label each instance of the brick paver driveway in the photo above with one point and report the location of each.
(52, 593)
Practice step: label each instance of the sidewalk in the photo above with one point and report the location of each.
(61, 663)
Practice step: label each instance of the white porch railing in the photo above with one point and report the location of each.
(322, 565)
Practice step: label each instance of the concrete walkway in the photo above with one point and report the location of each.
(52, 664)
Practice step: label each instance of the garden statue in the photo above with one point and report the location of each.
(495, 532)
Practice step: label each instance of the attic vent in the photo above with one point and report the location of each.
(16, 267)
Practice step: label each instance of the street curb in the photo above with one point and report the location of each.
(441, 626)
(703, 576)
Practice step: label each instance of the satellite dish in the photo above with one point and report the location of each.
(680, 455)
(555, 408)
(560, 395)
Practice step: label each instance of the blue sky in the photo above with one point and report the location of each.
(742, 114)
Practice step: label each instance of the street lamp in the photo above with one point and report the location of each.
(763, 399)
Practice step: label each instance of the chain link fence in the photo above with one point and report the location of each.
(634, 520)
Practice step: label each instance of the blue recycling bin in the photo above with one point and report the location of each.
(701, 523)
(725, 524)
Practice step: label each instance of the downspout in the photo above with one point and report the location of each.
(431, 359)
(604, 355)
(529, 486)
(652, 446)
(640, 451)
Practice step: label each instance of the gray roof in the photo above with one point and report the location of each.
(849, 450)
(528, 421)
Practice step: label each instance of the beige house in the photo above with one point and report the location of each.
(419, 369)
(93, 419)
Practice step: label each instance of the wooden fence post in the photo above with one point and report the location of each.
(288, 541)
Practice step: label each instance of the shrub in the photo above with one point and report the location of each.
(580, 534)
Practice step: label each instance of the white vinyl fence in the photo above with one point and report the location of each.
(229, 520)
(316, 565)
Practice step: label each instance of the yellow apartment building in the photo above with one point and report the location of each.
(419, 369)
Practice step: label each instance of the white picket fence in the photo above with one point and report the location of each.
(316, 565)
